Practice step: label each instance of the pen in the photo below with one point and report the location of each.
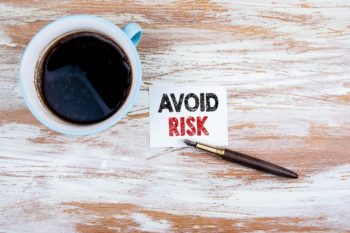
(245, 160)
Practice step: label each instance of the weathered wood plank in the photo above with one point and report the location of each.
(286, 66)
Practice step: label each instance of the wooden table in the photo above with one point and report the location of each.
(286, 65)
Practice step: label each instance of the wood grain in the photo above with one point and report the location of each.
(286, 67)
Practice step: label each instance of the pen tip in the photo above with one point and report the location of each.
(295, 175)
(291, 174)
(190, 143)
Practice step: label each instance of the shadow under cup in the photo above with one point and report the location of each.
(83, 77)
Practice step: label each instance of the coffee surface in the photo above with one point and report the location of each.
(85, 78)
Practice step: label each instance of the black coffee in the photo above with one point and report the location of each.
(85, 78)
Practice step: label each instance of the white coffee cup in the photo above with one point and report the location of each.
(127, 38)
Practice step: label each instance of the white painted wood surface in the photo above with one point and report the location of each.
(286, 65)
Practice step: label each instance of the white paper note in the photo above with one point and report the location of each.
(196, 113)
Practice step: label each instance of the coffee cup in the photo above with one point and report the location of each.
(83, 44)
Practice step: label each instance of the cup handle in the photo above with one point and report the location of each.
(134, 32)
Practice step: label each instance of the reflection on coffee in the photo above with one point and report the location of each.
(85, 78)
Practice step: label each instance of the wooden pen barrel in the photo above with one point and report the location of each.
(258, 164)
